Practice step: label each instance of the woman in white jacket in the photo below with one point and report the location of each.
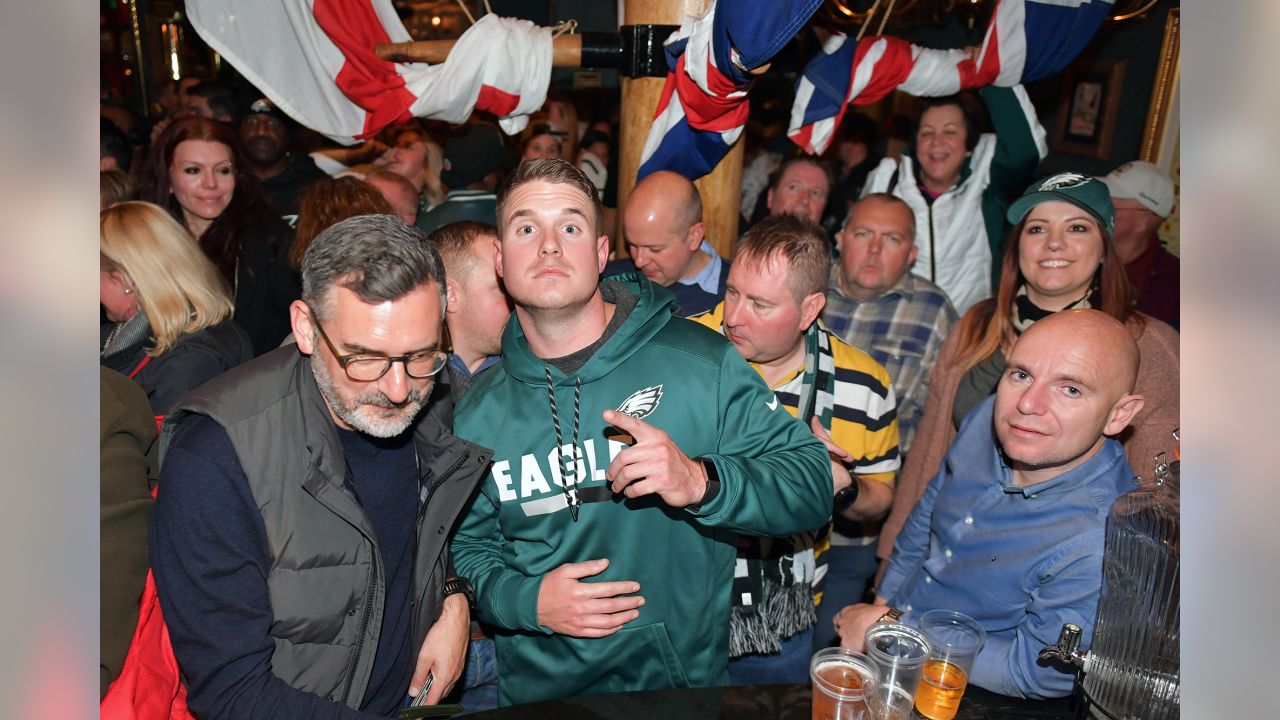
(959, 183)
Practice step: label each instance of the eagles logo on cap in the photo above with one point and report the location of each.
(1080, 190)
(1061, 180)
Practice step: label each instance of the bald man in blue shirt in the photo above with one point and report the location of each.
(1011, 530)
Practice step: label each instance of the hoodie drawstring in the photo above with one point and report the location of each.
(569, 467)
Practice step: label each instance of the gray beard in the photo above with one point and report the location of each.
(378, 427)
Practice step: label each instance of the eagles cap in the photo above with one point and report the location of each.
(1087, 193)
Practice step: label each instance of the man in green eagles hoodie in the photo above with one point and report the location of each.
(630, 448)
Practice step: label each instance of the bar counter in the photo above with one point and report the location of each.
(750, 702)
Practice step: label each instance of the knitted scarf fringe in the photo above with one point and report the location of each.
(784, 613)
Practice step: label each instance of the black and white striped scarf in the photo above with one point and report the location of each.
(773, 577)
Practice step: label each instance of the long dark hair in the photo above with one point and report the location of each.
(248, 210)
(988, 327)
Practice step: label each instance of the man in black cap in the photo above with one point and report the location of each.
(286, 176)
(472, 161)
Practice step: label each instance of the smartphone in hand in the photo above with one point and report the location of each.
(419, 708)
(421, 699)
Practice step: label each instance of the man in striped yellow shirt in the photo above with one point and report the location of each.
(774, 295)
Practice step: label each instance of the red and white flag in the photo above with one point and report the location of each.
(315, 60)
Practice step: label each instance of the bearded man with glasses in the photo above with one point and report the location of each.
(300, 541)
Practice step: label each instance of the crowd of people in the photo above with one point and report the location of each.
(410, 426)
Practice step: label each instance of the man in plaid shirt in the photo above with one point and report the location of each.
(876, 305)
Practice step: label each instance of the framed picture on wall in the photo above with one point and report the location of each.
(1160, 134)
(1089, 101)
(1160, 144)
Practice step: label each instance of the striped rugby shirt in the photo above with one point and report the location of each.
(864, 418)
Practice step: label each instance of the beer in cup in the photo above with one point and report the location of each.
(843, 681)
(955, 639)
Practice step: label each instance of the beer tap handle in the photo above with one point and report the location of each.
(1161, 473)
(1067, 649)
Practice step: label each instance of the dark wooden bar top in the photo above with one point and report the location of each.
(751, 702)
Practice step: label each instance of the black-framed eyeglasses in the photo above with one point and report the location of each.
(363, 367)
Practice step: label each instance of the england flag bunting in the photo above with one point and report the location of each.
(703, 106)
(1026, 40)
(315, 60)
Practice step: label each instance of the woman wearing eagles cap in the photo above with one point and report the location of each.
(1059, 256)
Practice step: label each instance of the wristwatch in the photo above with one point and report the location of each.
(894, 615)
(847, 496)
(713, 484)
(460, 585)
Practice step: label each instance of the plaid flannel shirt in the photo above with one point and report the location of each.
(903, 330)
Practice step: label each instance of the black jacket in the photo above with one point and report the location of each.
(286, 190)
(265, 286)
(194, 360)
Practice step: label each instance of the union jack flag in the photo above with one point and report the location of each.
(1026, 40)
(315, 60)
(703, 106)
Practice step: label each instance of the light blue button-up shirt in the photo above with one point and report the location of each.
(709, 277)
(1022, 561)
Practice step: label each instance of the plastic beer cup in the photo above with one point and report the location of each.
(843, 680)
(955, 639)
(899, 653)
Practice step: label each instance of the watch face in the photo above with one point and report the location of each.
(847, 496)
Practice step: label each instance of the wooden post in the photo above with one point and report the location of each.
(721, 190)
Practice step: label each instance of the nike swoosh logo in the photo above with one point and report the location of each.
(773, 404)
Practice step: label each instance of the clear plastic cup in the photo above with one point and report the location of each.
(955, 639)
(843, 682)
(899, 653)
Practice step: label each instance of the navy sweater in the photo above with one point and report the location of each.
(690, 299)
(210, 558)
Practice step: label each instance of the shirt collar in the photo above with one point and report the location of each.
(463, 194)
(977, 449)
(1101, 463)
(456, 363)
(904, 287)
(708, 279)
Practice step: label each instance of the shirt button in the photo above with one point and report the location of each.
(928, 581)
(908, 608)
(947, 552)
(968, 520)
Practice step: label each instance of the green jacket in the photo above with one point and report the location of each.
(775, 479)
(127, 464)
